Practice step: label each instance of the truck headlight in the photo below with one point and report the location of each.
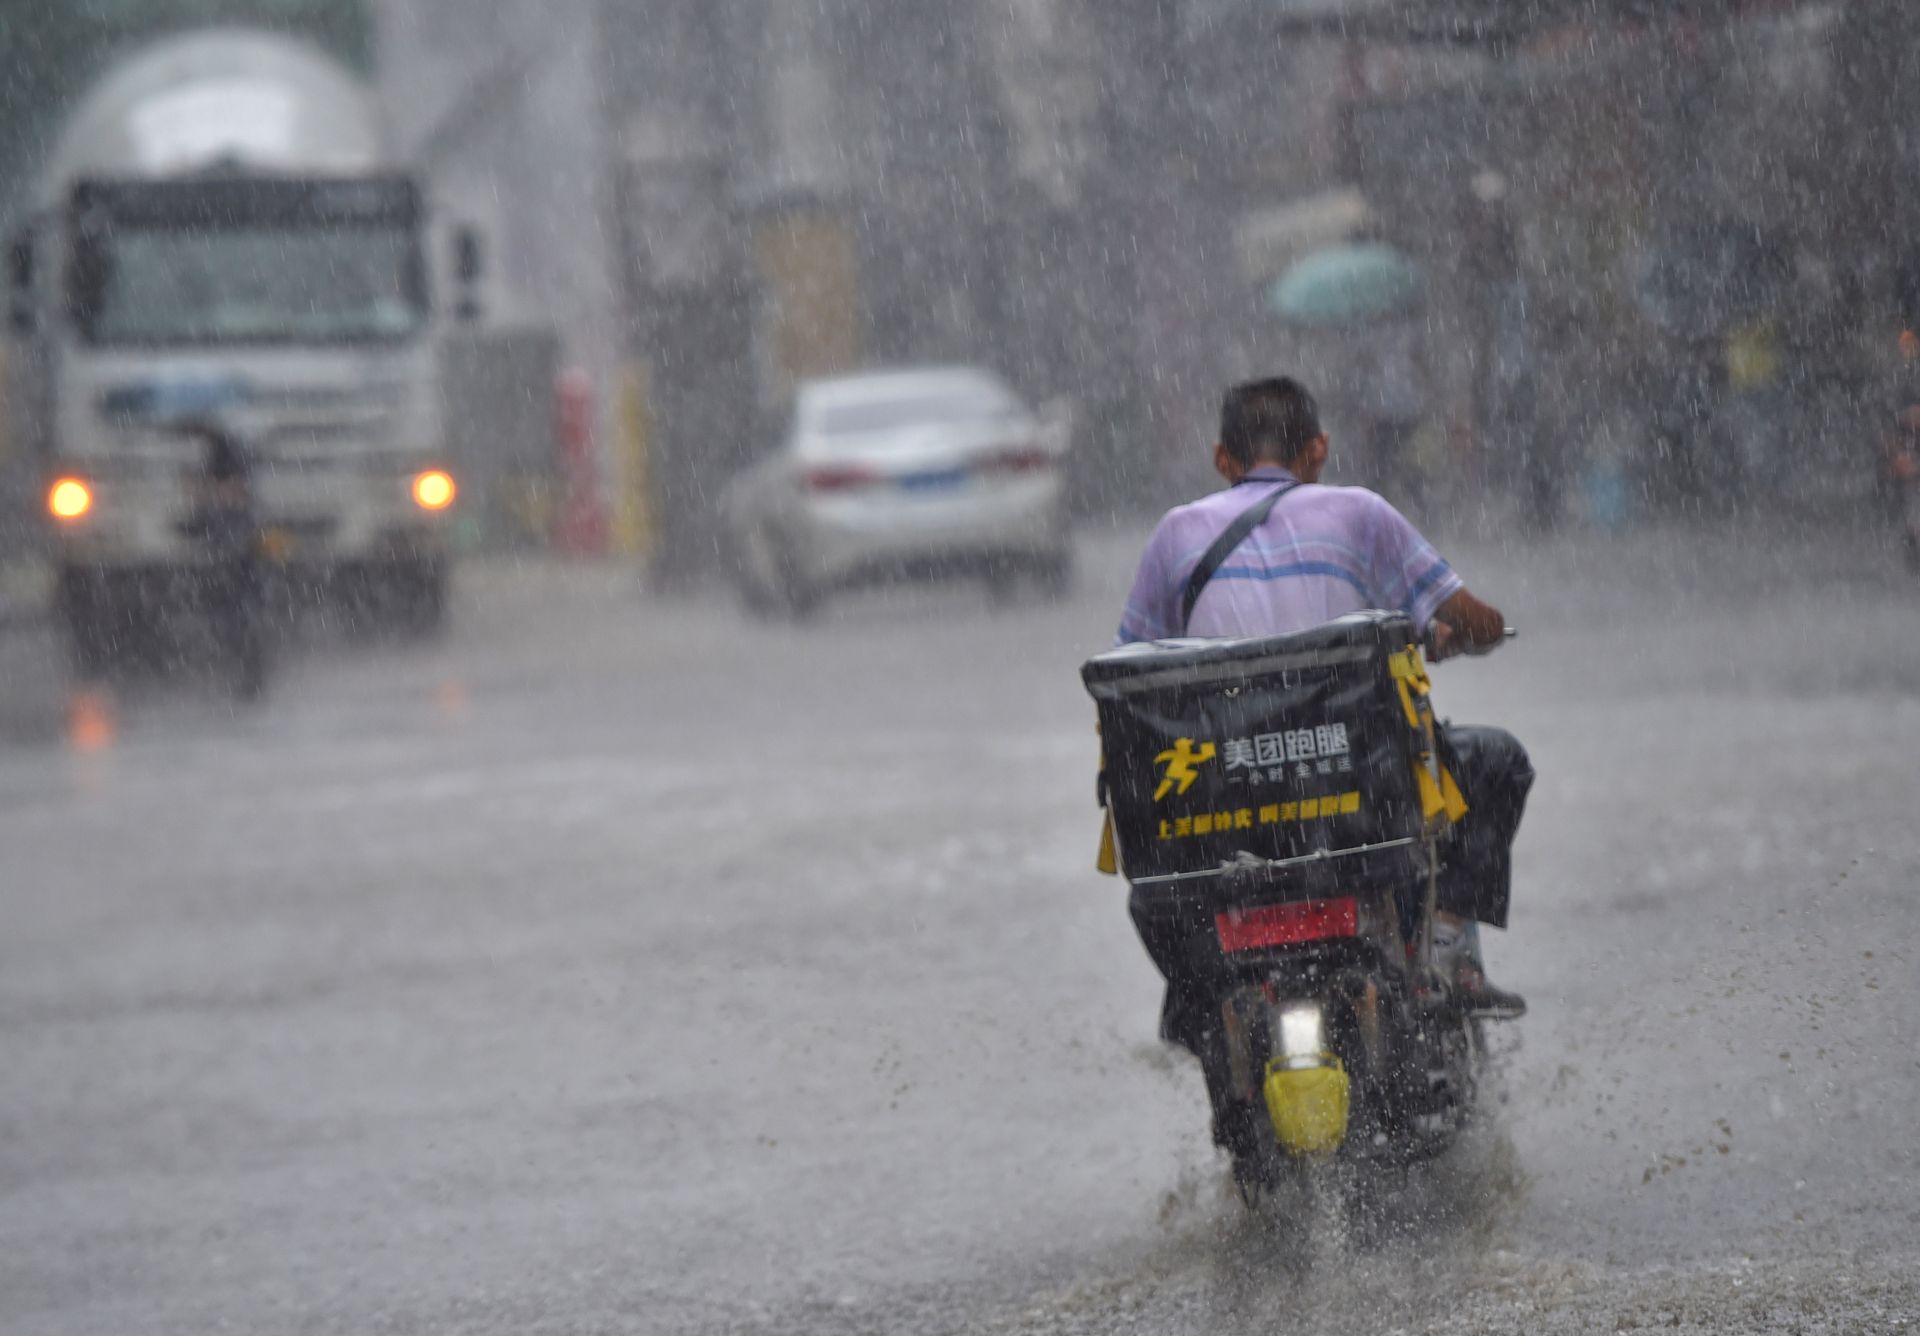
(69, 499)
(434, 489)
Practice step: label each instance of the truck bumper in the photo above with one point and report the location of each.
(136, 526)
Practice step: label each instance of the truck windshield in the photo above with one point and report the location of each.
(260, 265)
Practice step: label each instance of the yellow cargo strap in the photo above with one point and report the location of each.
(1410, 676)
(1441, 798)
(1109, 860)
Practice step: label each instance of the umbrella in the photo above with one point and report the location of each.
(1346, 285)
(175, 399)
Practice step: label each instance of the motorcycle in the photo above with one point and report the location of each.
(1287, 797)
(1903, 484)
(224, 525)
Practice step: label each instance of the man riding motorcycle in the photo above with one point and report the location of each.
(1312, 553)
(1900, 478)
(225, 524)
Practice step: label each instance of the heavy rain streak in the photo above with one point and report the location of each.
(959, 666)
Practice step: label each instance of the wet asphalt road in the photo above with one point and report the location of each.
(618, 965)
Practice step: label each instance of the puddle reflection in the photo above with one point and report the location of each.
(93, 720)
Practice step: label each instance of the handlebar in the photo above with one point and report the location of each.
(1429, 644)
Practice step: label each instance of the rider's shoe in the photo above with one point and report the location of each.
(1457, 957)
(1481, 998)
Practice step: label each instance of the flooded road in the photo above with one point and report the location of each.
(618, 964)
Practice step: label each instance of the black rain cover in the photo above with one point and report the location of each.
(1279, 746)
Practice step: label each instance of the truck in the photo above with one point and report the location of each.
(223, 231)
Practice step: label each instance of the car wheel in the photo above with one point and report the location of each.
(803, 600)
(1003, 584)
(755, 597)
(1051, 577)
(768, 582)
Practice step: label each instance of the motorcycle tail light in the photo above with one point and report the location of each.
(1288, 924)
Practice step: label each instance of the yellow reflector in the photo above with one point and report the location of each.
(433, 490)
(1308, 1107)
(69, 499)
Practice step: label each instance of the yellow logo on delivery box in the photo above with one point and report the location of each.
(1182, 763)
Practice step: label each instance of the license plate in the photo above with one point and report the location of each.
(945, 480)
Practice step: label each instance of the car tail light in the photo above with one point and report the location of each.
(839, 478)
(1020, 459)
(1287, 925)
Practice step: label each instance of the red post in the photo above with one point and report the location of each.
(581, 528)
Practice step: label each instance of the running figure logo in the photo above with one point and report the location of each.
(1182, 764)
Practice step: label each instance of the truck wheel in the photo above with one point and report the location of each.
(83, 610)
(418, 599)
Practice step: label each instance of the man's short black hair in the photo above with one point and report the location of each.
(225, 458)
(1272, 420)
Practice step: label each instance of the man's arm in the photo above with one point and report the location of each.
(1152, 607)
(1404, 571)
(1465, 625)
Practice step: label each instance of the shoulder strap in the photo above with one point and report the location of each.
(1234, 535)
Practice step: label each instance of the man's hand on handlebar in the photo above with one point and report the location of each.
(1465, 625)
(1444, 643)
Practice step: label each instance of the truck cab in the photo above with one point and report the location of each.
(222, 232)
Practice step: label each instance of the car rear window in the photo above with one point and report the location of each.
(879, 415)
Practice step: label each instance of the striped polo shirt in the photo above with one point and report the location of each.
(1322, 553)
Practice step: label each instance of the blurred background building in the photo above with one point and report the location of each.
(705, 200)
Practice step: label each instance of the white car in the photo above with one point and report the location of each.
(902, 474)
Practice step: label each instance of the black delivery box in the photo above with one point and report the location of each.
(1277, 746)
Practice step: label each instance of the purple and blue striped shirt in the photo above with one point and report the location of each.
(1322, 553)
